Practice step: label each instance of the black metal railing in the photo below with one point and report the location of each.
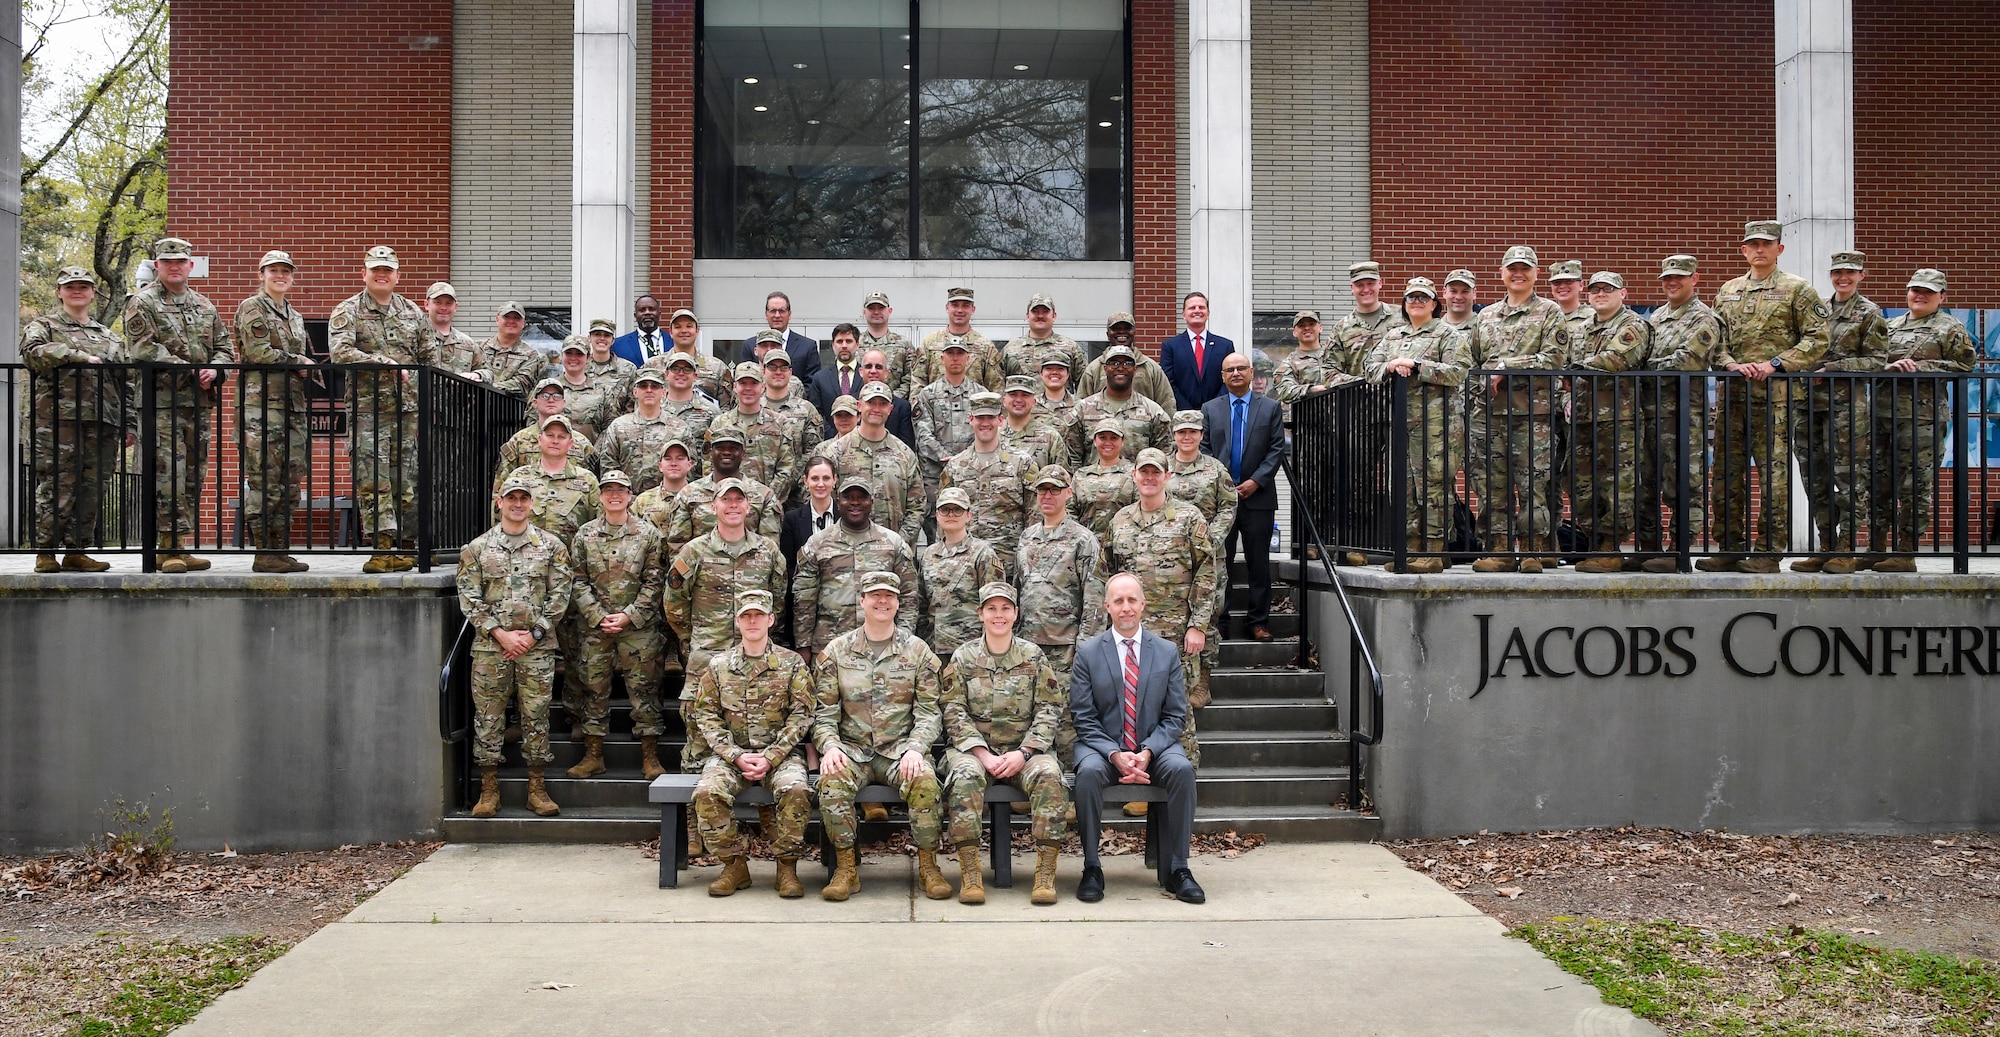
(128, 459)
(1360, 655)
(1645, 465)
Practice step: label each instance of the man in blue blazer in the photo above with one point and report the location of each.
(1246, 432)
(1192, 359)
(1128, 699)
(645, 341)
(803, 351)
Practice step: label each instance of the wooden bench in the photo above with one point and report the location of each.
(675, 793)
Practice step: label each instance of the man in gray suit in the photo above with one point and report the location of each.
(1128, 698)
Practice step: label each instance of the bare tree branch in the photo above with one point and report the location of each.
(136, 54)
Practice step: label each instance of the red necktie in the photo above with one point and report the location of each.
(847, 381)
(1131, 696)
(1197, 353)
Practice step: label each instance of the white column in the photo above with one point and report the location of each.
(1219, 162)
(1815, 68)
(601, 214)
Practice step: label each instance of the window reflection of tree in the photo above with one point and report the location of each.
(1003, 168)
(828, 176)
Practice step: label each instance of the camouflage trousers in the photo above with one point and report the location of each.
(1194, 672)
(72, 462)
(575, 690)
(180, 461)
(715, 806)
(1661, 454)
(384, 456)
(634, 655)
(275, 454)
(1751, 427)
(1603, 496)
(1903, 470)
(524, 682)
(1509, 466)
(694, 751)
(837, 791)
(1062, 659)
(1433, 468)
(1831, 445)
(965, 793)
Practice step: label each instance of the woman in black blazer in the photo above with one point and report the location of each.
(802, 522)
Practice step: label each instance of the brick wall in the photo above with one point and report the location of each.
(1657, 138)
(1927, 146)
(671, 263)
(1157, 168)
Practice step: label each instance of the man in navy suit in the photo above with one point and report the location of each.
(1246, 432)
(803, 351)
(1192, 359)
(841, 379)
(1128, 699)
(645, 341)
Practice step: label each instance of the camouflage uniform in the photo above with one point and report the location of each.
(1171, 552)
(457, 351)
(1510, 448)
(1781, 317)
(1912, 416)
(1149, 379)
(928, 365)
(1002, 502)
(691, 418)
(1346, 345)
(1042, 441)
(180, 329)
(952, 575)
(761, 704)
(612, 377)
(276, 449)
(1830, 421)
(525, 448)
(1204, 485)
(1026, 355)
(699, 602)
(1685, 338)
(691, 513)
(563, 503)
(875, 706)
(1062, 602)
(589, 404)
(1060, 416)
(634, 443)
(1100, 493)
(74, 421)
(1434, 387)
(1003, 702)
(619, 569)
(826, 586)
(384, 441)
(1146, 423)
(895, 480)
(941, 413)
(804, 424)
(770, 447)
(513, 583)
(1606, 444)
(711, 375)
(511, 369)
(902, 357)
(1306, 371)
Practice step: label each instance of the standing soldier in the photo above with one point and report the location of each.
(1056, 404)
(1025, 355)
(1616, 340)
(611, 373)
(690, 412)
(619, 573)
(942, 412)
(898, 352)
(1510, 445)
(984, 363)
(1776, 322)
(1686, 335)
(890, 468)
(587, 398)
(635, 441)
(826, 584)
(509, 364)
(800, 420)
(754, 707)
(1202, 482)
(1002, 704)
(1461, 290)
(1103, 487)
(1911, 417)
(1566, 288)
(565, 498)
(770, 443)
(1148, 378)
(75, 421)
(514, 587)
(377, 326)
(276, 445)
(996, 479)
(1830, 421)
(525, 446)
(458, 352)
(168, 322)
(1145, 422)
(1356, 334)
(1022, 429)
(952, 570)
(1428, 352)
(876, 718)
(711, 374)
(691, 512)
(1062, 588)
(1308, 368)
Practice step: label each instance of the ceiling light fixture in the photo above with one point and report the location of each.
(1020, 68)
(752, 80)
(798, 64)
(760, 108)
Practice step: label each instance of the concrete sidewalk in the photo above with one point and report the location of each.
(1295, 939)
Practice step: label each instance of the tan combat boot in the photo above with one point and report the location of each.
(875, 813)
(735, 875)
(1842, 561)
(788, 878)
(382, 560)
(846, 880)
(193, 564)
(489, 792)
(649, 757)
(1495, 564)
(1137, 808)
(1762, 563)
(1719, 564)
(593, 758)
(1606, 563)
(1905, 558)
(1045, 874)
(408, 555)
(971, 884)
(47, 564)
(1354, 558)
(78, 562)
(929, 877)
(538, 795)
(1427, 564)
(170, 560)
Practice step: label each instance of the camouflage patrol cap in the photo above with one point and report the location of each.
(1567, 270)
(1849, 261)
(996, 589)
(551, 383)
(956, 342)
(777, 356)
(1023, 383)
(683, 312)
(881, 580)
(439, 289)
(1366, 270)
(854, 481)
(676, 442)
(1051, 475)
(74, 275)
(1119, 353)
(958, 294)
(1520, 254)
(725, 434)
(1260, 363)
(512, 307)
(1461, 276)
(953, 497)
(1678, 265)
(753, 601)
(1305, 317)
(1188, 419)
(1056, 360)
(1041, 299)
(598, 324)
(731, 485)
(179, 248)
(517, 484)
(984, 404)
(614, 477)
(1420, 286)
(875, 391)
(875, 299)
(1928, 277)
(1612, 278)
(559, 419)
(845, 405)
(1151, 457)
(680, 359)
(1763, 230)
(574, 343)
(1111, 425)
(381, 255)
(649, 374)
(768, 335)
(751, 370)
(1121, 317)
(275, 256)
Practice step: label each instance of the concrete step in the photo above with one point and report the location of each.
(610, 789)
(1230, 749)
(1281, 624)
(1270, 786)
(1246, 652)
(1272, 683)
(576, 824)
(1297, 824)
(1268, 714)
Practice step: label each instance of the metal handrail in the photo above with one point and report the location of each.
(1359, 653)
(461, 648)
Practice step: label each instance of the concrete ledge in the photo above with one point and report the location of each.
(1934, 577)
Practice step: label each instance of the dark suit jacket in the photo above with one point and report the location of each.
(796, 529)
(1192, 387)
(803, 351)
(825, 388)
(627, 345)
(1097, 694)
(1263, 444)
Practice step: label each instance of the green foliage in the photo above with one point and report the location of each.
(130, 834)
(176, 981)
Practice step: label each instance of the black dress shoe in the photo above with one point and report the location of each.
(1181, 884)
(1090, 888)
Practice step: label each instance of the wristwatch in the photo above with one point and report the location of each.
(1778, 364)
(536, 633)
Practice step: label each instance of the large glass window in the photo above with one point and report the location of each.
(812, 110)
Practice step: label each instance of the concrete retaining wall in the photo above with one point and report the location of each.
(266, 714)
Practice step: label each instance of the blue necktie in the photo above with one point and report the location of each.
(1236, 415)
